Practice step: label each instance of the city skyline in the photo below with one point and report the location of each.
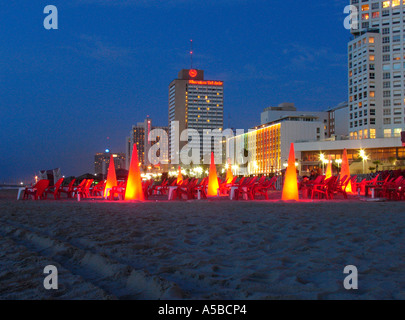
(79, 87)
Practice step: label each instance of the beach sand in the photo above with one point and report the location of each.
(201, 249)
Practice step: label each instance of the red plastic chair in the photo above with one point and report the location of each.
(80, 187)
(69, 189)
(98, 189)
(55, 190)
(246, 188)
(37, 191)
(264, 188)
(200, 188)
(325, 189)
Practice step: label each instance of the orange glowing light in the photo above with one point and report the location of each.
(329, 169)
(290, 189)
(134, 190)
(345, 171)
(213, 184)
(229, 174)
(193, 73)
(179, 177)
(111, 177)
(206, 83)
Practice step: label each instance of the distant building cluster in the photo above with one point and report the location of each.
(102, 161)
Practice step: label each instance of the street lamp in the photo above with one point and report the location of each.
(322, 159)
(364, 157)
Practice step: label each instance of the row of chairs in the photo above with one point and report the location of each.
(41, 189)
(249, 188)
(391, 188)
(328, 188)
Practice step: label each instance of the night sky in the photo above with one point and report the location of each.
(69, 93)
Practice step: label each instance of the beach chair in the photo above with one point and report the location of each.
(187, 189)
(36, 191)
(69, 189)
(55, 190)
(78, 188)
(325, 189)
(159, 188)
(225, 187)
(390, 191)
(264, 188)
(98, 189)
(246, 188)
(199, 191)
(118, 191)
(84, 190)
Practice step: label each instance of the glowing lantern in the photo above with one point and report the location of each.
(329, 169)
(346, 170)
(134, 190)
(213, 184)
(179, 177)
(290, 189)
(111, 176)
(229, 174)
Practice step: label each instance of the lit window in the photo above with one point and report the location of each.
(372, 57)
(371, 40)
(386, 4)
(366, 7)
(396, 3)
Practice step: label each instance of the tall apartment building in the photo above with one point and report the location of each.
(376, 70)
(139, 135)
(196, 104)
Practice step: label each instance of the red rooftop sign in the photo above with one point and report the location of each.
(206, 83)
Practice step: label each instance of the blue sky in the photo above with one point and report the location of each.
(66, 94)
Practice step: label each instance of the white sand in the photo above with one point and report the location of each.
(202, 250)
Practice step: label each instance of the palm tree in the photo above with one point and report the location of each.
(377, 163)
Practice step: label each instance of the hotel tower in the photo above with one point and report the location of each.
(197, 104)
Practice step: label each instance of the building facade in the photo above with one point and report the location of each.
(102, 162)
(194, 103)
(139, 135)
(376, 70)
(327, 117)
(266, 148)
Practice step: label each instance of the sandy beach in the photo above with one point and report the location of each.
(201, 249)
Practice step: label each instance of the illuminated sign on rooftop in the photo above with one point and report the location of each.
(206, 83)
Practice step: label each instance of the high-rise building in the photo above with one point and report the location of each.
(196, 104)
(139, 135)
(102, 161)
(376, 70)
